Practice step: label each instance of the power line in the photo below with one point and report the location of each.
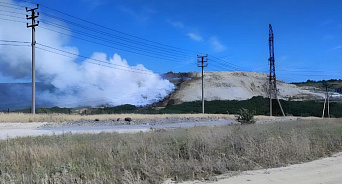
(174, 49)
(163, 54)
(109, 46)
(11, 16)
(17, 43)
(129, 69)
(93, 62)
(224, 65)
(115, 47)
(112, 35)
(217, 65)
(224, 61)
(10, 4)
(9, 7)
(158, 53)
(214, 69)
(14, 41)
(107, 28)
(144, 46)
(218, 62)
(12, 12)
(7, 44)
(12, 20)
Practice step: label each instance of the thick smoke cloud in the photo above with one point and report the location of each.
(77, 84)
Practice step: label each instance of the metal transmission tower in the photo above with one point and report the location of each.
(202, 63)
(33, 17)
(273, 92)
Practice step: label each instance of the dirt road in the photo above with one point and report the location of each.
(324, 171)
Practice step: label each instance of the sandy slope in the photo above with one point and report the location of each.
(234, 86)
(323, 171)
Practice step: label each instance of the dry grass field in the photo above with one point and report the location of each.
(152, 157)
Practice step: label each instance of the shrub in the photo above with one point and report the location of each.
(245, 116)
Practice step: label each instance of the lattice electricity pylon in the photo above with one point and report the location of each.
(273, 92)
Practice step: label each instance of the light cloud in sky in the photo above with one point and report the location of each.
(216, 44)
(96, 3)
(337, 47)
(141, 15)
(181, 25)
(283, 57)
(328, 37)
(327, 22)
(177, 24)
(195, 37)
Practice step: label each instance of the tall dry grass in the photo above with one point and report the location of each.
(22, 117)
(151, 157)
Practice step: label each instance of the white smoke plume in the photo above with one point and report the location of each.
(77, 83)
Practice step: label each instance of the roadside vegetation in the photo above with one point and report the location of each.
(245, 116)
(333, 84)
(152, 157)
(257, 105)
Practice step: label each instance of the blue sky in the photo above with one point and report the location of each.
(308, 33)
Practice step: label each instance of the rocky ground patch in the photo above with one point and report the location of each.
(119, 121)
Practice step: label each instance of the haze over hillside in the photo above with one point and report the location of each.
(218, 86)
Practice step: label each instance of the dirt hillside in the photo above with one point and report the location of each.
(231, 86)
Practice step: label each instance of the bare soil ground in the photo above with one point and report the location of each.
(20, 125)
(59, 124)
(21, 117)
(322, 171)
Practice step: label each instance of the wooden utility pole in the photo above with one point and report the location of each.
(202, 63)
(33, 17)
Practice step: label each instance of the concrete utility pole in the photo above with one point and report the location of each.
(202, 63)
(326, 102)
(273, 92)
(33, 16)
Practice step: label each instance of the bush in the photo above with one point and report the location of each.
(245, 116)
